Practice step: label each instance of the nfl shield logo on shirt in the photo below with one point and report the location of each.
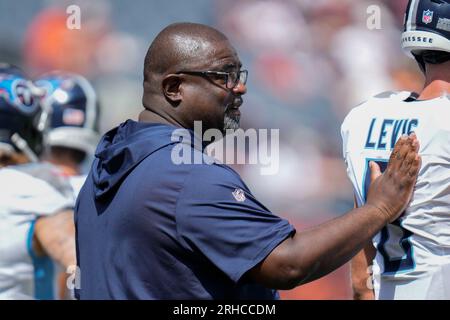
(239, 195)
(427, 16)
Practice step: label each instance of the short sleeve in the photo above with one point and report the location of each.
(46, 200)
(26, 193)
(218, 215)
(345, 133)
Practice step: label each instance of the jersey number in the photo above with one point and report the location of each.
(392, 264)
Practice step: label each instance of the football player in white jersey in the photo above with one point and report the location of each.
(72, 110)
(36, 219)
(410, 258)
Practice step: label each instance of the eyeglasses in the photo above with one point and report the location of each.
(230, 79)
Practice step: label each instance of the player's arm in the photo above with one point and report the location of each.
(309, 255)
(55, 236)
(361, 273)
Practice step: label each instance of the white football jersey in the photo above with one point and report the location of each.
(413, 253)
(23, 199)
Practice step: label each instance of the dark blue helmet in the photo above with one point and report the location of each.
(426, 33)
(19, 113)
(71, 106)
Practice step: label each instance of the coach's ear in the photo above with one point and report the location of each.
(172, 89)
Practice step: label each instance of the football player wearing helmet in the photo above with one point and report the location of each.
(409, 258)
(36, 226)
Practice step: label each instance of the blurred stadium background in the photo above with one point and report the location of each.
(310, 62)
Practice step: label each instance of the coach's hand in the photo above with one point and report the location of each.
(391, 191)
(312, 253)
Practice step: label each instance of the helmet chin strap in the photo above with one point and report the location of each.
(432, 57)
(22, 145)
(435, 57)
(420, 61)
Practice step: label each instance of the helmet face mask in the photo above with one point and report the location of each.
(426, 35)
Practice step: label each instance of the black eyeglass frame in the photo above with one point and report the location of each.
(227, 76)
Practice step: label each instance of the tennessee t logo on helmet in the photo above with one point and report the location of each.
(20, 113)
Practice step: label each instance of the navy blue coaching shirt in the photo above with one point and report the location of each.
(147, 228)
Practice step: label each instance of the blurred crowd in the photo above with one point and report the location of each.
(309, 62)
